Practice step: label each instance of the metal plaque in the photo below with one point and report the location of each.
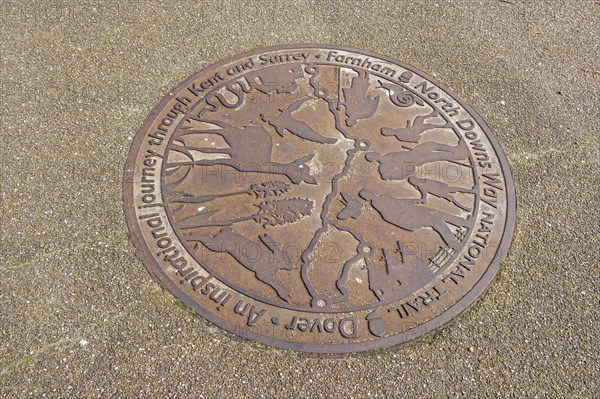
(319, 198)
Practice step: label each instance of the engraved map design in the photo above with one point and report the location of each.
(320, 187)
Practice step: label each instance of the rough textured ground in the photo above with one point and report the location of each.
(81, 318)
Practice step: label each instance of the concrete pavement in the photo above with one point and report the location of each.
(80, 317)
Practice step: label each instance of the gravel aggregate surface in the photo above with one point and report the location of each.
(81, 318)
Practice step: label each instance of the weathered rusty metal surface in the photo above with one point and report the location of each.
(323, 199)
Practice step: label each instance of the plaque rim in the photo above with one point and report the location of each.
(421, 330)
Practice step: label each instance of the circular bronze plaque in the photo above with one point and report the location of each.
(323, 199)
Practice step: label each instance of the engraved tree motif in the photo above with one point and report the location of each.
(271, 213)
(288, 210)
(259, 190)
